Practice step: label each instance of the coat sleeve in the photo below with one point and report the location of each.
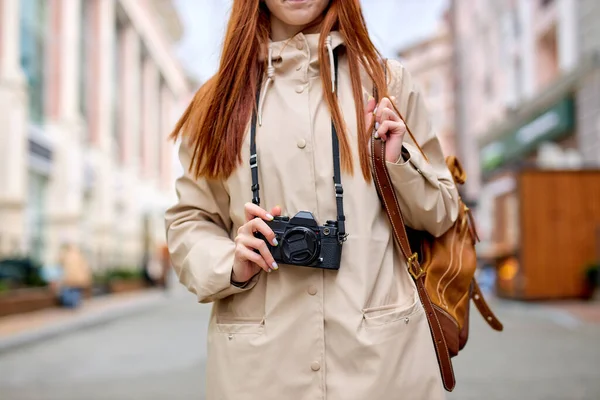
(200, 246)
(426, 191)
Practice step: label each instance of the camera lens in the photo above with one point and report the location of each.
(300, 246)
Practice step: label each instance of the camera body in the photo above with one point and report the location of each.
(302, 242)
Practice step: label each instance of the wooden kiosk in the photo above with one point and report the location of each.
(547, 234)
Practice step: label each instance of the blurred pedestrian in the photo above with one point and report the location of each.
(76, 276)
(273, 126)
(165, 261)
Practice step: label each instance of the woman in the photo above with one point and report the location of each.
(291, 332)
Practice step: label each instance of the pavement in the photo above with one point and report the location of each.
(21, 329)
(547, 351)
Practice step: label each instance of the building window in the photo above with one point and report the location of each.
(435, 86)
(33, 26)
(160, 123)
(518, 79)
(141, 142)
(516, 23)
(36, 212)
(488, 85)
(118, 88)
(84, 56)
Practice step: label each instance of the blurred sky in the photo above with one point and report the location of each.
(392, 25)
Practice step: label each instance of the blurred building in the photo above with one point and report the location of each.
(431, 64)
(89, 90)
(588, 96)
(519, 69)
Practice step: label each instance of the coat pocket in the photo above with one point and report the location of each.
(240, 325)
(392, 323)
(388, 314)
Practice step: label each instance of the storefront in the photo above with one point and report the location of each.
(552, 125)
(534, 187)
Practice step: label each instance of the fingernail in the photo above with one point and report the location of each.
(275, 242)
(375, 111)
(371, 98)
(269, 217)
(270, 270)
(275, 266)
(377, 125)
(376, 135)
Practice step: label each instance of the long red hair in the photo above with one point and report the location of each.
(216, 119)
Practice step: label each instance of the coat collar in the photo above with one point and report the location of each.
(300, 52)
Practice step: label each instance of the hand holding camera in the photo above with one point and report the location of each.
(249, 262)
(302, 242)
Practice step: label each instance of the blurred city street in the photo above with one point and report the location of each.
(158, 353)
(546, 352)
(91, 91)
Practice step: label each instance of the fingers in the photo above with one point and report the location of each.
(246, 240)
(276, 211)
(387, 114)
(370, 106)
(244, 253)
(388, 122)
(258, 225)
(382, 112)
(382, 130)
(252, 211)
(250, 242)
(369, 109)
(388, 128)
(385, 110)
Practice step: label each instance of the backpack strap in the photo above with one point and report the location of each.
(483, 307)
(392, 208)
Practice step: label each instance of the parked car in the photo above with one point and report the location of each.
(17, 272)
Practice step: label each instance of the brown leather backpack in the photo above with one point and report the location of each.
(442, 268)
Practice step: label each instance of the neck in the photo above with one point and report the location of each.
(282, 31)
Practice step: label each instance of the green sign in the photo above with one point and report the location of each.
(552, 124)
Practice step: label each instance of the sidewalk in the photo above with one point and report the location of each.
(22, 329)
(585, 311)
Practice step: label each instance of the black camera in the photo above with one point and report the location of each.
(302, 242)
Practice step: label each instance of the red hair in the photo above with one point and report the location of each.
(216, 119)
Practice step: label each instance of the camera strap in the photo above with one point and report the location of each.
(337, 176)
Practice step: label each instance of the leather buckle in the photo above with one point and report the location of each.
(412, 261)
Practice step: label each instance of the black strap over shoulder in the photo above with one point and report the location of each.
(337, 176)
(254, 157)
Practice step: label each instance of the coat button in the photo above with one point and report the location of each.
(315, 366)
(299, 88)
(301, 143)
(312, 290)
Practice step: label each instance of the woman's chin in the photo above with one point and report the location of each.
(299, 12)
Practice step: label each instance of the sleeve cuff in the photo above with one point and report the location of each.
(244, 285)
(404, 156)
(411, 165)
(232, 289)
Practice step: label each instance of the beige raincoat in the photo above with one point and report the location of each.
(302, 333)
